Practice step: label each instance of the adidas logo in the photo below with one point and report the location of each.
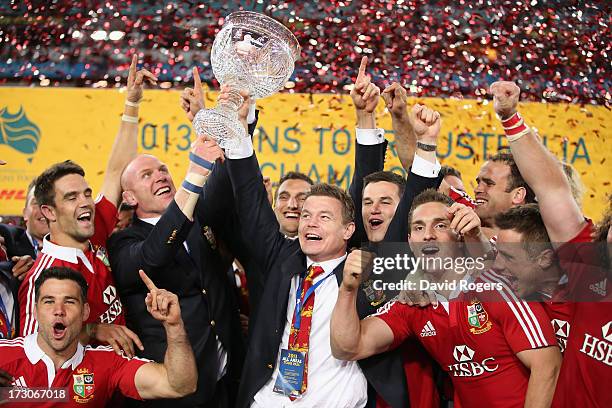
(599, 287)
(19, 382)
(428, 330)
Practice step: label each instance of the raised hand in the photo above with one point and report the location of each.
(161, 304)
(225, 95)
(205, 147)
(425, 123)
(464, 220)
(365, 94)
(395, 97)
(192, 99)
(136, 80)
(357, 268)
(505, 98)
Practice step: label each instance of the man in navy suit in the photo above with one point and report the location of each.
(326, 224)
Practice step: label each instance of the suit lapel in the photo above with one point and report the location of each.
(294, 265)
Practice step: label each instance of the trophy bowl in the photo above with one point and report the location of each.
(251, 52)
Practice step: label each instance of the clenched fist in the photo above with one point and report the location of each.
(505, 98)
(357, 268)
(395, 97)
(425, 123)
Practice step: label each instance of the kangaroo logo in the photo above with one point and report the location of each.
(18, 132)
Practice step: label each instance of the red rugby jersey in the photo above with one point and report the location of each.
(476, 342)
(90, 377)
(94, 266)
(584, 380)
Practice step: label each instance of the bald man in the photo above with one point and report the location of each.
(170, 239)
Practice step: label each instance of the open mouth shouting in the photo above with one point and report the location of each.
(292, 215)
(59, 330)
(162, 191)
(85, 217)
(375, 223)
(480, 201)
(430, 250)
(313, 237)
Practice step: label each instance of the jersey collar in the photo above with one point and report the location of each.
(468, 278)
(35, 354)
(67, 254)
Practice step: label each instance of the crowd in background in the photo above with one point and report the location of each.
(555, 50)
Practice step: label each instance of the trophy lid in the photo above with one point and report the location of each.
(268, 25)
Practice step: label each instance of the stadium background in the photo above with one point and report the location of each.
(556, 51)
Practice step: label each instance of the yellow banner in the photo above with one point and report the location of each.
(310, 133)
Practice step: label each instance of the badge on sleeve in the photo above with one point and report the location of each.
(290, 373)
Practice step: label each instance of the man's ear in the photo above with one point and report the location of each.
(349, 230)
(518, 196)
(48, 212)
(129, 198)
(86, 311)
(546, 258)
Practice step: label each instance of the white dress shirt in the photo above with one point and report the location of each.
(331, 382)
(420, 166)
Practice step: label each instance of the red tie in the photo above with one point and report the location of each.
(299, 339)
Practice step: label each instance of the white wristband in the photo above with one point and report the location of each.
(196, 179)
(132, 104)
(130, 119)
(514, 138)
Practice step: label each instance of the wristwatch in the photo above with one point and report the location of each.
(426, 147)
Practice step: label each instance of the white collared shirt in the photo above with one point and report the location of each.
(64, 253)
(331, 382)
(35, 354)
(221, 352)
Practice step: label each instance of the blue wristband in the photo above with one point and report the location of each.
(191, 187)
(200, 161)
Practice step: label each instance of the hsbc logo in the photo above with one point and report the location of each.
(463, 353)
(600, 350)
(606, 331)
(562, 329)
(465, 367)
(109, 295)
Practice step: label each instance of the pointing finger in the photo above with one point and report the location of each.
(147, 281)
(197, 83)
(132, 71)
(362, 67)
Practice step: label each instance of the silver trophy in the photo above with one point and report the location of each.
(252, 52)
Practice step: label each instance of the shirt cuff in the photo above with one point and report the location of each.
(370, 136)
(251, 115)
(425, 168)
(242, 151)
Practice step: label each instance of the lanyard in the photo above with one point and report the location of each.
(7, 318)
(299, 304)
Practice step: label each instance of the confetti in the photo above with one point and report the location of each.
(446, 48)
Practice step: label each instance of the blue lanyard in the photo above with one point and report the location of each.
(299, 304)
(7, 318)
